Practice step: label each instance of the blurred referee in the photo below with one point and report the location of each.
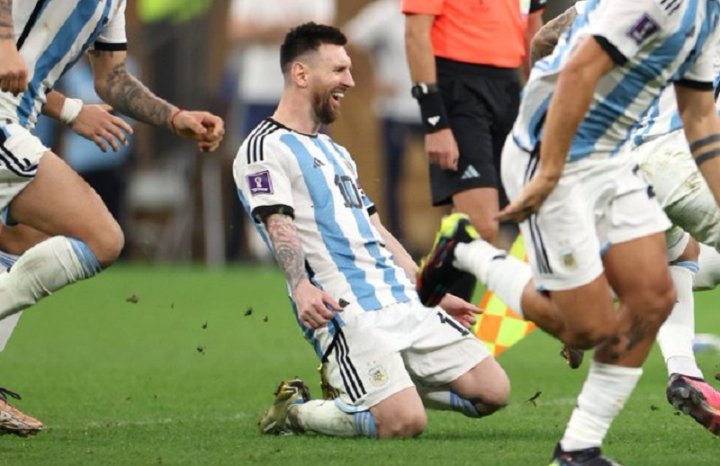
(466, 59)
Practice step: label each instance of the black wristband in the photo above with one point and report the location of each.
(432, 111)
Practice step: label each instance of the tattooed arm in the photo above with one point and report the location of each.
(13, 71)
(314, 306)
(547, 37)
(127, 95)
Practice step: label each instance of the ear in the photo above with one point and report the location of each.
(299, 74)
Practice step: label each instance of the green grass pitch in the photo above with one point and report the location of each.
(181, 375)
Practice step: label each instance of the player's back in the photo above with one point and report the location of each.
(652, 42)
(314, 180)
(51, 36)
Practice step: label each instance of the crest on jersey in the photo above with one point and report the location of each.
(378, 376)
(642, 29)
(259, 183)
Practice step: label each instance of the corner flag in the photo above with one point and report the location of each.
(499, 327)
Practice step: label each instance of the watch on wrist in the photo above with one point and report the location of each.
(422, 89)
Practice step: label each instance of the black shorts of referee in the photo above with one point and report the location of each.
(481, 104)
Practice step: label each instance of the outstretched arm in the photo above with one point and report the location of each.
(126, 94)
(94, 121)
(314, 306)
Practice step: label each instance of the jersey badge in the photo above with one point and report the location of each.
(642, 29)
(260, 183)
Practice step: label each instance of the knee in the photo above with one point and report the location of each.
(658, 305)
(107, 244)
(589, 337)
(494, 397)
(409, 424)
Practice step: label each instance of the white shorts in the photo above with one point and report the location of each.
(668, 166)
(20, 154)
(596, 203)
(379, 353)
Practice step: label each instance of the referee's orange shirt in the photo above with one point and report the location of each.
(487, 32)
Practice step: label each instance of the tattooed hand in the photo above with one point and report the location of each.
(314, 306)
(204, 127)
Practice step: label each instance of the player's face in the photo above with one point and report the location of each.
(331, 78)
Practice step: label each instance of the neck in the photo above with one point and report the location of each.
(297, 115)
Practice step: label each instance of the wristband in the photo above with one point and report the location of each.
(177, 112)
(432, 111)
(70, 110)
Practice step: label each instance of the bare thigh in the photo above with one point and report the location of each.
(59, 202)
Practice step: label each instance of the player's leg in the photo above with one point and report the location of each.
(374, 395)
(83, 236)
(13, 242)
(452, 369)
(675, 336)
(708, 275)
(686, 390)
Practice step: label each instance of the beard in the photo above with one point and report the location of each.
(323, 108)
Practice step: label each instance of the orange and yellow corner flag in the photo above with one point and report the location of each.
(499, 327)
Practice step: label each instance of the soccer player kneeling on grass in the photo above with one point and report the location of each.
(349, 279)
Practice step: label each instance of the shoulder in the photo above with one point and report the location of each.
(263, 141)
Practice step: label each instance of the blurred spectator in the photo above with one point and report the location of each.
(256, 29)
(378, 29)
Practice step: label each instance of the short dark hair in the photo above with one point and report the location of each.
(307, 37)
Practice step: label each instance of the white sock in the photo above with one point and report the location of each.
(499, 271)
(447, 400)
(603, 395)
(43, 269)
(7, 326)
(675, 336)
(326, 417)
(709, 274)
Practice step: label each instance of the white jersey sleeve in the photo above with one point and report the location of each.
(113, 36)
(703, 71)
(263, 174)
(623, 28)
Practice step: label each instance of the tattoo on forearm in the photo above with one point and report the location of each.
(547, 37)
(6, 22)
(288, 251)
(130, 97)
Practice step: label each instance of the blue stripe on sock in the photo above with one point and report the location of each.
(692, 266)
(86, 257)
(364, 423)
(462, 405)
(7, 259)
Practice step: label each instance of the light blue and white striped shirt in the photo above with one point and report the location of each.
(313, 179)
(652, 42)
(51, 36)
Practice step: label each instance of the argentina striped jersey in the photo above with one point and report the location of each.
(313, 179)
(51, 36)
(663, 116)
(652, 42)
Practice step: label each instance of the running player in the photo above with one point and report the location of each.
(661, 152)
(576, 197)
(38, 42)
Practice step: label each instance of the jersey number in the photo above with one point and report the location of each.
(444, 319)
(349, 191)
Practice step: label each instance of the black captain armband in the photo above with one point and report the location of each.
(432, 108)
(705, 155)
